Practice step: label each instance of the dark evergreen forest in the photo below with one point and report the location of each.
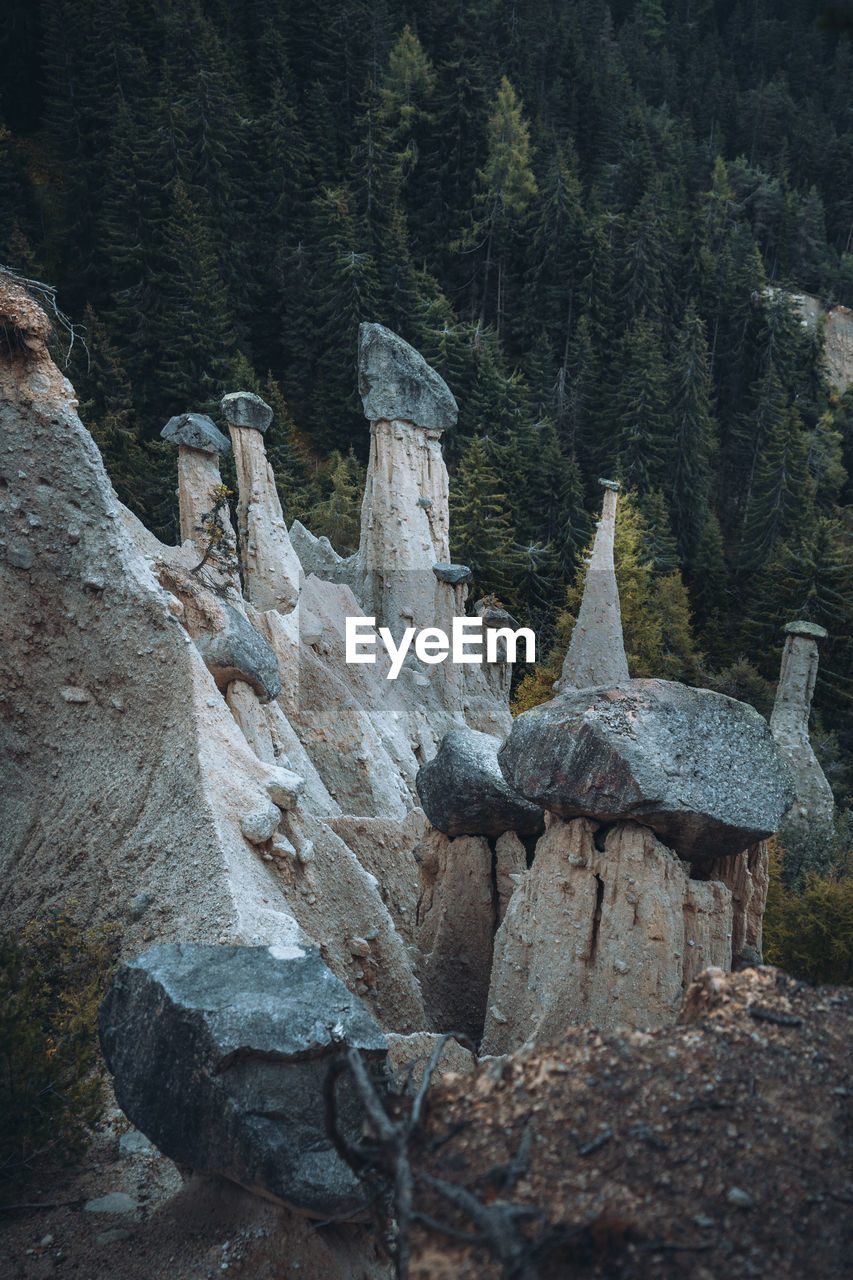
(575, 210)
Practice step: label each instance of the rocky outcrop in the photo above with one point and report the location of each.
(746, 876)
(789, 723)
(220, 1055)
(605, 927)
(456, 924)
(463, 791)
(596, 653)
(700, 769)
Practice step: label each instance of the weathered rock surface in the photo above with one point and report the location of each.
(239, 652)
(456, 922)
(789, 723)
(510, 863)
(463, 791)
(196, 431)
(394, 381)
(270, 564)
(409, 1057)
(607, 935)
(747, 877)
(699, 768)
(220, 1054)
(385, 849)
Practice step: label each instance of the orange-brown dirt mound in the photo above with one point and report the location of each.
(718, 1147)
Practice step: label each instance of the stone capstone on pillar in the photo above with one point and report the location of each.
(789, 724)
(271, 566)
(200, 445)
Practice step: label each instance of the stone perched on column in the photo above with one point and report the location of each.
(239, 652)
(220, 1054)
(596, 653)
(196, 431)
(789, 723)
(245, 409)
(271, 566)
(200, 444)
(463, 791)
(395, 382)
(702, 770)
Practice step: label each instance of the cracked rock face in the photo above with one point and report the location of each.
(464, 793)
(702, 770)
(220, 1055)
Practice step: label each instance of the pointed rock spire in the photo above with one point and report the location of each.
(596, 653)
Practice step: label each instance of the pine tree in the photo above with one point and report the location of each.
(481, 531)
(506, 187)
(694, 433)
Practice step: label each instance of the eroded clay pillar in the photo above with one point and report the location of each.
(596, 653)
(270, 564)
(200, 445)
(789, 723)
(405, 513)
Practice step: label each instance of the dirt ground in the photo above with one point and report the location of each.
(717, 1148)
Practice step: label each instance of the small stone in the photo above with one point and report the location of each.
(742, 1199)
(453, 574)
(701, 1220)
(74, 694)
(112, 1234)
(20, 556)
(620, 966)
(46, 1240)
(284, 787)
(359, 947)
(134, 1143)
(115, 1202)
(259, 824)
(139, 905)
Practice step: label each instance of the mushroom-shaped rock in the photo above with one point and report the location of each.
(220, 1054)
(396, 383)
(240, 652)
(453, 574)
(245, 409)
(702, 770)
(463, 791)
(196, 431)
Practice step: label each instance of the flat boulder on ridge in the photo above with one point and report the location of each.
(220, 1054)
(702, 770)
(464, 793)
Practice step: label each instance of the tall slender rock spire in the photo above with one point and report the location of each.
(596, 653)
(789, 723)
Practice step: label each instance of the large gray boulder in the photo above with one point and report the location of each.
(702, 770)
(220, 1054)
(196, 431)
(240, 652)
(463, 792)
(395, 382)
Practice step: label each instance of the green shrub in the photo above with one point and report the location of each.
(809, 932)
(53, 974)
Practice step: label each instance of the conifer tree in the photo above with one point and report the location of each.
(694, 433)
(481, 532)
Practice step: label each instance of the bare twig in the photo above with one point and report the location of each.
(45, 294)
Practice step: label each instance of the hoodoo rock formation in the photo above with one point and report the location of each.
(187, 735)
(789, 723)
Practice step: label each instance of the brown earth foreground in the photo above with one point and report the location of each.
(716, 1148)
